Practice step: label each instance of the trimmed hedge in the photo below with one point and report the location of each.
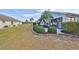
(52, 30)
(39, 29)
(71, 27)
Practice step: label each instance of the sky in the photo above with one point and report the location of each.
(23, 14)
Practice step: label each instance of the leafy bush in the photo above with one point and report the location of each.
(34, 23)
(52, 30)
(71, 27)
(39, 29)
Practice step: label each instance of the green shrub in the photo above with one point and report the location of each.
(39, 29)
(71, 27)
(34, 23)
(52, 30)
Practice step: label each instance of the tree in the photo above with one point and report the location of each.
(26, 20)
(31, 19)
(46, 16)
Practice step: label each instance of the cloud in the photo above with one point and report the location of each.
(21, 14)
(41, 10)
(62, 10)
(18, 11)
(33, 15)
(52, 9)
(68, 10)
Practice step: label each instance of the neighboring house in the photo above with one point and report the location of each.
(61, 17)
(6, 21)
(67, 17)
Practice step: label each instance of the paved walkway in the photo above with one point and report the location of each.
(59, 31)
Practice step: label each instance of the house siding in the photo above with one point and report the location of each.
(65, 17)
(1, 24)
(75, 19)
(16, 23)
(9, 24)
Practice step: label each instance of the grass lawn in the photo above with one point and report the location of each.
(22, 38)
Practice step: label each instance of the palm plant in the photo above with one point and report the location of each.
(31, 19)
(46, 16)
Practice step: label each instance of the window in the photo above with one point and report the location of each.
(71, 19)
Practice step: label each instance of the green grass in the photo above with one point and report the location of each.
(6, 33)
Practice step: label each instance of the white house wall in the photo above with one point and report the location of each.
(1, 24)
(8, 23)
(77, 19)
(16, 23)
(65, 17)
(68, 19)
